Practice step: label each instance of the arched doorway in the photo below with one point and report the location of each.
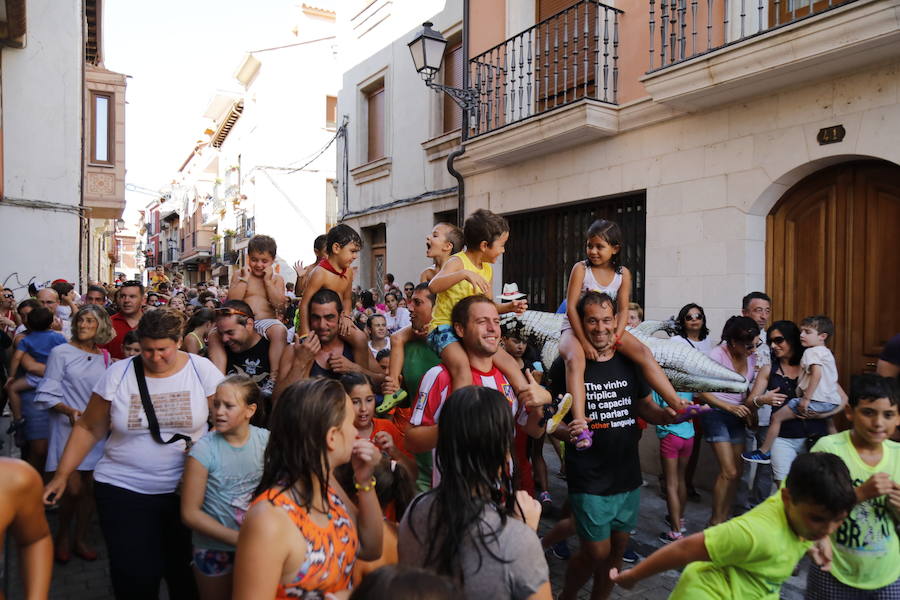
(832, 248)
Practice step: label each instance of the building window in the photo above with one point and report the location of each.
(453, 77)
(375, 122)
(331, 204)
(330, 112)
(103, 126)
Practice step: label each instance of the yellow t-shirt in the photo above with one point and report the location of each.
(752, 555)
(447, 299)
(866, 548)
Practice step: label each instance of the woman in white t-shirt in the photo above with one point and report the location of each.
(397, 317)
(136, 478)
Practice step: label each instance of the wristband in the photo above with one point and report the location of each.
(365, 488)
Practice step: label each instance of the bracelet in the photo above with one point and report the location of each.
(756, 401)
(367, 487)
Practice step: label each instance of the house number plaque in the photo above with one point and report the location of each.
(831, 135)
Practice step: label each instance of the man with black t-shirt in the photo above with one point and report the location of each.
(605, 479)
(246, 350)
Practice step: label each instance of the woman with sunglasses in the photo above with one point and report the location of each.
(774, 385)
(692, 329)
(723, 427)
(9, 318)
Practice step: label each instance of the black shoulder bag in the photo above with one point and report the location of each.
(150, 412)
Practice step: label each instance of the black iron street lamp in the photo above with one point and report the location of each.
(427, 51)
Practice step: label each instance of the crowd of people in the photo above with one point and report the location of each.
(313, 439)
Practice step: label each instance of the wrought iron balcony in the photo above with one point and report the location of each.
(684, 29)
(570, 56)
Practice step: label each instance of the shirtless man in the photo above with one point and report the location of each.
(22, 512)
(263, 290)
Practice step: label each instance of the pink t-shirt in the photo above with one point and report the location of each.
(721, 356)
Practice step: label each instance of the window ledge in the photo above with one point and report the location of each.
(371, 170)
(441, 146)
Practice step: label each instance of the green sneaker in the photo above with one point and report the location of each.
(562, 409)
(391, 401)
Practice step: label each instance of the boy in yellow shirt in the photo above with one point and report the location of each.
(750, 556)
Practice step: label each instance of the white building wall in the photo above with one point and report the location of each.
(41, 104)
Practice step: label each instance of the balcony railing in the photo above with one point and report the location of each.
(683, 29)
(568, 57)
(172, 255)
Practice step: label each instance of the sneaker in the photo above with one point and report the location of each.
(667, 537)
(562, 409)
(267, 388)
(391, 401)
(545, 497)
(560, 550)
(630, 556)
(757, 456)
(668, 521)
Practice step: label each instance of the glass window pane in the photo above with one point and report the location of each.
(101, 129)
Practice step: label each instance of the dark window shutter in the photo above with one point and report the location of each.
(548, 8)
(376, 124)
(453, 77)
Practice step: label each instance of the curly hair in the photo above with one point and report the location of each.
(105, 332)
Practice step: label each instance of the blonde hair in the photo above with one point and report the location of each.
(249, 391)
(637, 308)
(105, 331)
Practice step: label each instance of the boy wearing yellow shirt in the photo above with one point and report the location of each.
(750, 556)
(866, 547)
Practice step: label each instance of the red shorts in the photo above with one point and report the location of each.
(673, 446)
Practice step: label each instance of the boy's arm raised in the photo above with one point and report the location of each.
(677, 554)
(237, 287)
(452, 273)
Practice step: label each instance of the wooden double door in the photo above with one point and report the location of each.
(834, 248)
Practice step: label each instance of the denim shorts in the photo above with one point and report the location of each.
(814, 407)
(37, 418)
(596, 517)
(784, 451)
(722, 426)
(213, 563)
(440, 337)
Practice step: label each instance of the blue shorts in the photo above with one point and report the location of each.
(596, 517)
(440, 337)
(37, 419)
(722, 426)
(213, 563)
(814, 407)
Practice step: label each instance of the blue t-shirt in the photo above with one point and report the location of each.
(38, 344)
(233, 475)
(685, 429)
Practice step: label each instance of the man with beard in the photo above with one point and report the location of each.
(247, 352)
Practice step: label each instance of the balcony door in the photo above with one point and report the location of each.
(785, 11)
(832, 249)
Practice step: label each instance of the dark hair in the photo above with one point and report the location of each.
(352, 379)
(319, 243)
(432, 297)
(96, 288)
(389, 277)
(483, 226)
(367, 299)
(870, 386)
(130, 338)
(454, 235)
(261, 244)
(250, 392)
(313, 406)
(200, 317)
(133, 283)
(28, 303)
(326, 296)
(205, 295)
(593, 297)
(237, 305)
(393, 484)
(739, 330)
(160, 324)
(40, 319)
(402, 582)
(410, 284)
(821, 323)
(460, 313)
(611, 233)
(791, 334)
(472, 456)
(383, 353)
(341, 235)
(394, 294)
(62, 288)
(680, 320)
(745, 303)
(821, 479)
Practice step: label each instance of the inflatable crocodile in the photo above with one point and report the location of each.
(688, 369)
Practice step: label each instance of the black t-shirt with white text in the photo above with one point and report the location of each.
(253, 362)
(612, 464)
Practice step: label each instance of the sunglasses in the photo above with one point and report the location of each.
(408, 289)
(779, 339)
(693, 317)
(8, 296)
(131, 283)
(752, 347)
(227, 311)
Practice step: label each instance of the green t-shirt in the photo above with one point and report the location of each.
(752, 555)
(418, 358)
(866, 549)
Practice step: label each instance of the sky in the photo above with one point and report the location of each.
(177, 54)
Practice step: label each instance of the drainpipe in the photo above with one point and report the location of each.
(464, 133)
(460, 183)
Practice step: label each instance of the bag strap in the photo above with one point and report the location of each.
(149, 410)
(105, 354)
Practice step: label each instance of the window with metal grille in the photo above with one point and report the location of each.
(544, 245)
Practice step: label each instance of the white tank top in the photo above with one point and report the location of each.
(591, 285)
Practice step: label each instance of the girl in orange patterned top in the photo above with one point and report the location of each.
(301, 536)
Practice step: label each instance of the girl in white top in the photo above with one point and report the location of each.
(397, 317)
(602, 272)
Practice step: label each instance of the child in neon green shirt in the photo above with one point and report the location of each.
(750, 556)
(866, 547)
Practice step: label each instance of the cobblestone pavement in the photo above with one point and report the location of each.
(80, 580)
